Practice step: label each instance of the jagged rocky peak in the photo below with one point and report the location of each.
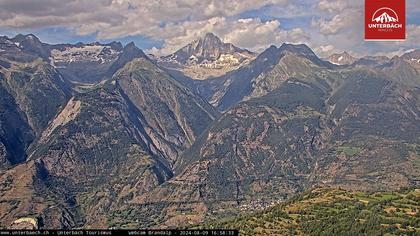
(132, 49)
(343, 58)
(208, 48)
(129, 52)
(207, 56)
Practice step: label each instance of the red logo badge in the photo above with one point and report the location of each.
(384, 19)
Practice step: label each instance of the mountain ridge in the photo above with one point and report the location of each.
(138, 147)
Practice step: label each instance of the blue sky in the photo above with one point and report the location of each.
(160, 26)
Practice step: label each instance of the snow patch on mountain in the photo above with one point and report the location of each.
(207, 57)
(86, 53)
(343, 58)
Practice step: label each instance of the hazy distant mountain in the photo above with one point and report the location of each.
(343, 58)
(207, 56)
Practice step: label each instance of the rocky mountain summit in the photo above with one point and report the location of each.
(343, 58)
(207, 56)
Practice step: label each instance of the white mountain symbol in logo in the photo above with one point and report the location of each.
(385, 17)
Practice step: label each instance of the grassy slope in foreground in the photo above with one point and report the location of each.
(333, 212)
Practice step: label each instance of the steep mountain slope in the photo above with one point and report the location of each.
(264, 74)
(207, 57)
(115, 140)
(139, 149)
(29, 199)
(144, 125)
(15, 133)
(32, 86)
(371, 61)
(375, 135)
(332, 212)
(32, 94)
(128, 53)
(352, 127)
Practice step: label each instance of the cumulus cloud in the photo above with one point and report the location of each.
(334, 6)
(325, 25)
(257, 35)
(399, 47)
(250, 33)
(173, 22)
(114, 18)
(341, 27)
(330, 26)
(343, 14)
(325, 49)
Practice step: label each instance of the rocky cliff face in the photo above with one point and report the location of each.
(207, 48)
(207, 57)
(32, 93)
(123, 135)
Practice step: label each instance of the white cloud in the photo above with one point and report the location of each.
(325, 49)
(330, 26)
(332, 6)
(118, 18)
(257, 35)
(339, 15)
(175, 22)
(251, 33)
(341, 27)
(336, 6)
(323, 24)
